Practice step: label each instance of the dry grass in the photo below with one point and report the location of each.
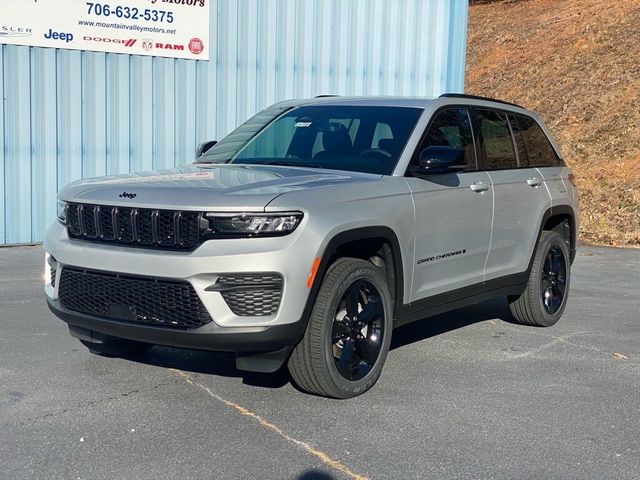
(577, 63)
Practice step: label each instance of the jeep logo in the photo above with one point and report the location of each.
(65, 37)
(130, 196)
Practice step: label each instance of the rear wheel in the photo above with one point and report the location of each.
(117, 347)
(544, 299)
(347, 339)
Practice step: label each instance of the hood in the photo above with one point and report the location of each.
(211, 186)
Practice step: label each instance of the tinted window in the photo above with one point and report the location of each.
(382, 132)
(497, 141)
(451, 128)
(274, 142)
(541, 153)
(351, 125)
(229, 145)
(517, 137)
(361, 139)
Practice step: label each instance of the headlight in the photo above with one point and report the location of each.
(62, 212)
(251, 224)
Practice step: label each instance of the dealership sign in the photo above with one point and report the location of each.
(162, 28)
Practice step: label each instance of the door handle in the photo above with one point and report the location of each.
(534, 181)
(479, 187)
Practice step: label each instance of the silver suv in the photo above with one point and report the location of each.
(310, 232)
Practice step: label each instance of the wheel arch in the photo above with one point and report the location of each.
(366, 243)
(561, 219)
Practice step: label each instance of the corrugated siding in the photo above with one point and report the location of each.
(69, 114)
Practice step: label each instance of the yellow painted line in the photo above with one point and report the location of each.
(323, 457)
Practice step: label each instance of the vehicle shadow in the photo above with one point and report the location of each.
(210, 363)
(495, 309)
(315, 475)
(223, 364)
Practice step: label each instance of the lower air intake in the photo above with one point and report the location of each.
(171, 304)
(251, 294)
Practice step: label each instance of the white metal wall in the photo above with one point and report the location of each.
(70, 114)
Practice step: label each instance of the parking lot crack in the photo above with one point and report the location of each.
(320, 455)
(564, 339)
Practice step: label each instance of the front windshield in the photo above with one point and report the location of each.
(363, 139)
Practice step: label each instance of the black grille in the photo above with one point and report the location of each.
(143, 227)
(173, 304)
(107, 230)
(124, 224)
(251, 294)
(88, 221)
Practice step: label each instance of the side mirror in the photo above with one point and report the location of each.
(204, 147)
(439, 159)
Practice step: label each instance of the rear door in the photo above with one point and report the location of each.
(520, 196)
(452, 213)
(543, 157)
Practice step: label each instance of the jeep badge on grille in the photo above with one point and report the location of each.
(130, 196)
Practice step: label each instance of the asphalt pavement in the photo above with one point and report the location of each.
(463, 395)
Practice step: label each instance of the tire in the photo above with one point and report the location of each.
(545, 297)
(348, 335)
(117, 347)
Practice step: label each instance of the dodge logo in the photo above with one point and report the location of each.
(130, 196)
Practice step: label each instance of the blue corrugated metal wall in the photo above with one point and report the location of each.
(69, 114)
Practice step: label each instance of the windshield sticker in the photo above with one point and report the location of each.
(303, 124)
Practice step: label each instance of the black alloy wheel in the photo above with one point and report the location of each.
(553, 279)
(347, 339)
(544, 298)
(358, 330)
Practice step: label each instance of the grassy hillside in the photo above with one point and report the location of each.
(577, 63)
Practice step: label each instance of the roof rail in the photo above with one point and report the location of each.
(327, 95)
(477, 97)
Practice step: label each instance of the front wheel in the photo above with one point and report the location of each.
(544, 299)
(349, 332)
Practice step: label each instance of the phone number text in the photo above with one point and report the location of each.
(134, 13)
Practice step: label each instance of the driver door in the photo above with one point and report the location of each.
(453, 213)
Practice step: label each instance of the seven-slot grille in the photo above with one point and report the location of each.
(167, 303)
(145, 227)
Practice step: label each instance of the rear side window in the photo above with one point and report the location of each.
(496, 139)
(539, 149)
(523, 159)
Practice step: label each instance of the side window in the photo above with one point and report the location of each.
(451, 128)
(497, 142)
(541, 153)
(523, 159)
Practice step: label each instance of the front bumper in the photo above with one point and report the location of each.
(261, 343)
(290, 257)
(210, 337)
